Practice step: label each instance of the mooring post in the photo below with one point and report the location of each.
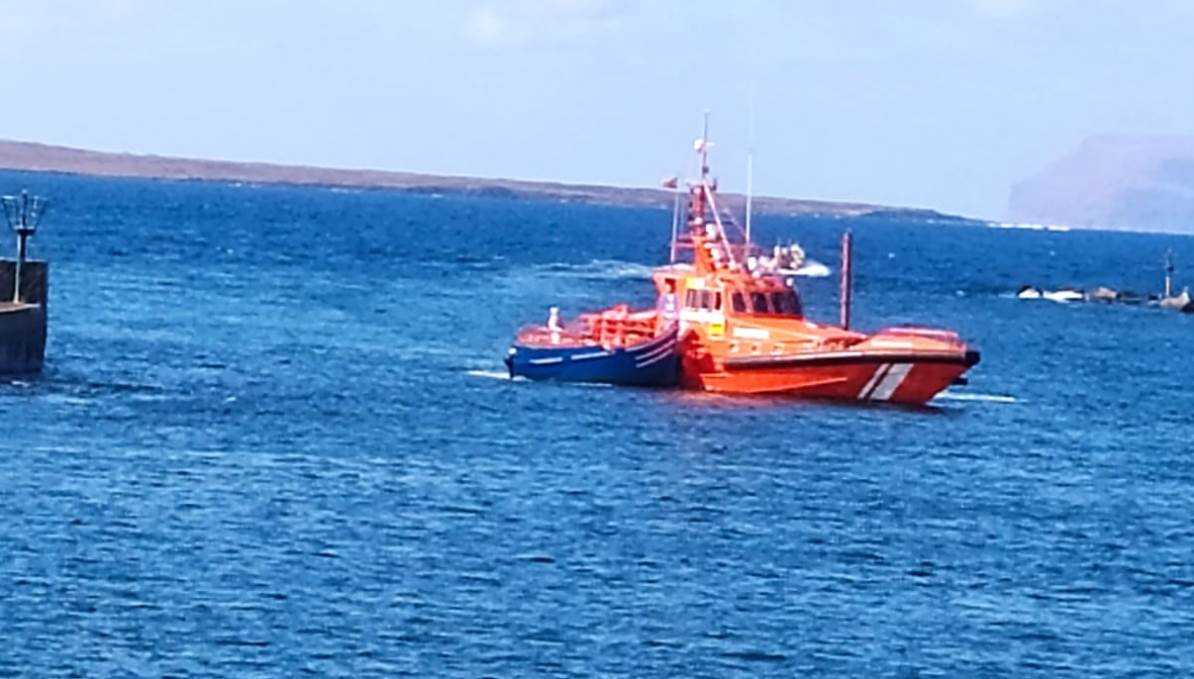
(847, 258)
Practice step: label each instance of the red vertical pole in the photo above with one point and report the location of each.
(847, 257)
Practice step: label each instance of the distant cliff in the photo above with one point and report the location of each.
(27, 156)
(1129, 182)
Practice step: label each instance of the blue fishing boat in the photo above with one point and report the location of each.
(613, 346)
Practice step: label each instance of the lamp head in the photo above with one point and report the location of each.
(24, 211)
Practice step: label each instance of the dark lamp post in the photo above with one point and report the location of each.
(23, 212)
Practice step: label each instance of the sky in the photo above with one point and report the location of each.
(941, 104)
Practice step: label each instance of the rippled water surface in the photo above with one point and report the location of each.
(271, 440)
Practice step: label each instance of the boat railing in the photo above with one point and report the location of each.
(615, 327)
(619, 327)
(947, 336)
(541, 335)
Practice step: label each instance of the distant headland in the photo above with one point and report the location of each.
(34, 157)
(1132, 182)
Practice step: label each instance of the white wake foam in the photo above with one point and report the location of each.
(490, 374)
(987, 398)
(600, 268)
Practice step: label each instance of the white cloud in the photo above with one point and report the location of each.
(1002, 8)
(485, 26)
(520, 22)
(28, 29)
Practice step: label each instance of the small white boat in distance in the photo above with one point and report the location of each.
(788, 260)
(811, 269)
(1063, 296)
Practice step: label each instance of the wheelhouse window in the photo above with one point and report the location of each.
(758, 303)
(702, 299)
(739, 302)
(785, 303)
(768, 303)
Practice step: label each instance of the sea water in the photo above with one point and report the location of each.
(273, 439)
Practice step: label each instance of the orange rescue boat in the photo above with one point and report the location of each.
(743, 329)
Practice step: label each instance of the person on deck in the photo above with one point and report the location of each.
(553, 324)
(668, 305)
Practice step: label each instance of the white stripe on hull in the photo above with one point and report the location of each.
(880, 371)
(650, 361)
(593, 354)
(891, 381)
(661, 353)
(652, 345)
(885, 381)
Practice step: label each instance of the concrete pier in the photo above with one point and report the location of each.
(23, 324)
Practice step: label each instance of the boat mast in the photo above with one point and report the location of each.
(1169, 273)
(675, 220)
(705, 149)
(845, 294)
(750, 165)
(750, 147)
(750, 158)
(705, 191)
(731, 261)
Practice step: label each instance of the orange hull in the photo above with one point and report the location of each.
(908, 378)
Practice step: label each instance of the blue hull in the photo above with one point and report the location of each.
(654, 363)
